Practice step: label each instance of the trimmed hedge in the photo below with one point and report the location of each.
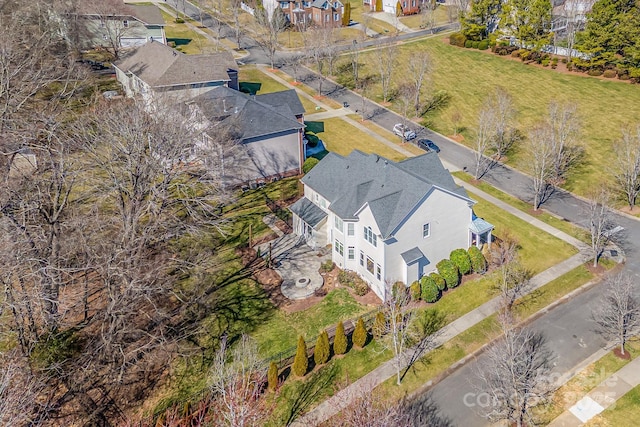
(439, 280)
(468, 44)
(483, 45)
(460, 258)
(457, 39)
(449, 273)
(340, 340)
(428, 286)
(360, 334)
(415, 290)
(430, 293)
(309, 164)
(478, 261)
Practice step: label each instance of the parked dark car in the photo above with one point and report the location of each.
(428, 145)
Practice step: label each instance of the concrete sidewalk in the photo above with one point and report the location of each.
(601, 397)
(390, 19)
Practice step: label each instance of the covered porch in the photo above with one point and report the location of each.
(309, 221)
(480, 232)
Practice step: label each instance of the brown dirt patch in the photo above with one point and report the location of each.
(247, 255)
(300, 305)
(596, 271)
(631, 211)
(618, 353)
(295, 83)
(534, 213)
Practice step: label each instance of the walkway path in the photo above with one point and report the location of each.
(391, 19)
(601, 397)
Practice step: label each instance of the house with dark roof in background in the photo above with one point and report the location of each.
(155, 70)
(269, 129)
(113, 23)
(387, 221)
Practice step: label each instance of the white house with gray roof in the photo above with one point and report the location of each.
(387, 221)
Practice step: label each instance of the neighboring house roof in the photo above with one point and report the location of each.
(320, 4)
(308, 212)
(159, 65)
(254, 118)
(391, 190)
(147, 14)
(285, 97)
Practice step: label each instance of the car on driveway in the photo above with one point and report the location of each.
(403, 131)
(428, 145)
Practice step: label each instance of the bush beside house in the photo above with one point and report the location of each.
(478, 262)
(449, 273)
(460, 258)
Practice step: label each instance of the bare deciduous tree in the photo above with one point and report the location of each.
(269, 28)
(236, 11)
(428, 14)
(483, 141)
(238, 377)
(512, 282)
(626, 168)
(370, 408)
(618, 313)
(600, 224)
(419, 66)
(564, 125)
(385, 63)
(19, 391)
(540, 157)
(515, 374)
(504, 134)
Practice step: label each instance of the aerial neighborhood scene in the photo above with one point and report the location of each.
(354, 213)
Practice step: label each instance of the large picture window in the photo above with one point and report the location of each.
(370, 236)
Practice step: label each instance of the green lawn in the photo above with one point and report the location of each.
(342, 138)
(623, 414)
(417, 21)
(469, 76)
(186, 39)
(552, 220)
(281, 331)
(256, 81)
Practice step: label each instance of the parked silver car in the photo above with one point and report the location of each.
(403, 131)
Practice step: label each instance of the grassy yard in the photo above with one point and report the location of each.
(623, 414)
(256, 81)
(469, 76)
(586, 380)
(187, 40)
(281, 332)
(543, 216)
(342, 138)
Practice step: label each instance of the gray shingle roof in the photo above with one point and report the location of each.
(147, 14)
(285, 97)
(391, 189)
(412, 255)
(159, 65)
(308, 212)
(255, 118)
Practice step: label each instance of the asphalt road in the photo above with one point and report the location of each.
(568, 328)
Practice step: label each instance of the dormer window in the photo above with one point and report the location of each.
(335, 5)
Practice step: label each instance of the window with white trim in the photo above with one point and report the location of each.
(362, 258)
(370, 236)
(378, 272)
(338, 224)
(339, 247)
(351, 230)
(336, 17)
(125, 23)
(326, 18)
(351, 252)
(370, 265)
(426, 230)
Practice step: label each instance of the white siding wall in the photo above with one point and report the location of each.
(449, 217)
(375, 253)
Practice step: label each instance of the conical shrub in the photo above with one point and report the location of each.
(301, 362)
(360, 334)
(272, 376)
(340, 340)
(379, 325)
(321, 351)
